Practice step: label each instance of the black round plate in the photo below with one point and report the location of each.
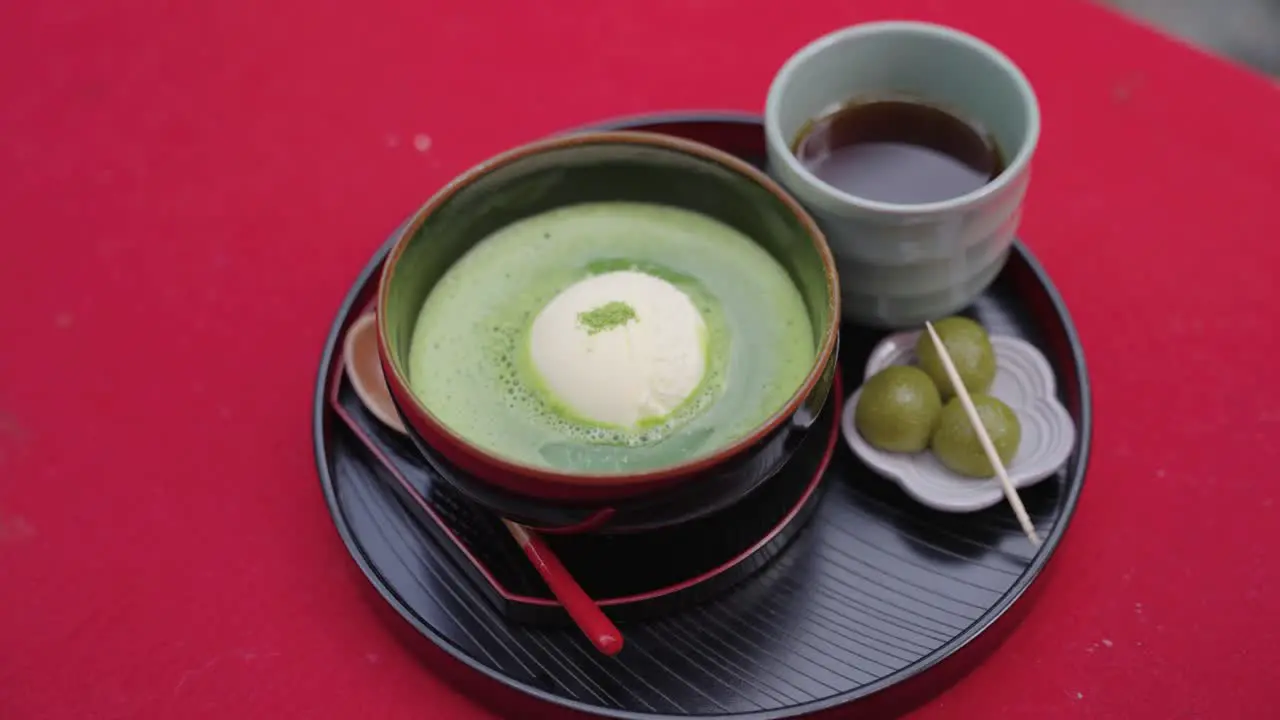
(879, 601)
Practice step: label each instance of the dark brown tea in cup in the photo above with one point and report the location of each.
(898, 151)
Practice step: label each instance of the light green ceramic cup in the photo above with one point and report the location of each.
(900, 265)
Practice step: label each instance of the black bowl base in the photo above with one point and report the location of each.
(631, 575)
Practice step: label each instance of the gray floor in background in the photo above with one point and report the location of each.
(1247, 31)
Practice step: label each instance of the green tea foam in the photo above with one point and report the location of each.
(470, 361)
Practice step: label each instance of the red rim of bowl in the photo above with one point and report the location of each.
(821, 358)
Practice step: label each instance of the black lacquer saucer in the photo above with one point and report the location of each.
(876, 605)
(631, 575)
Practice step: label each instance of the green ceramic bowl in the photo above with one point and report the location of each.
(592, 167)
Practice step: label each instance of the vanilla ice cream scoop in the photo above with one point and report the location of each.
(620, 348)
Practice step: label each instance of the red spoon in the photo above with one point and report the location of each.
(360, 358)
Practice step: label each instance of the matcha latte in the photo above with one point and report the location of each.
(610, 338)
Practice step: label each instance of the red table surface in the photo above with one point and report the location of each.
(188, 189)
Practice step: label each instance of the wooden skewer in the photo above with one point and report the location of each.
(988, 447)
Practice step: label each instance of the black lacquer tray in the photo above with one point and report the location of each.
(875, 604)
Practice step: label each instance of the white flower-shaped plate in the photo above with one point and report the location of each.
(1024, 381)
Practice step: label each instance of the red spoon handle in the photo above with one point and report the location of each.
(588, 616)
